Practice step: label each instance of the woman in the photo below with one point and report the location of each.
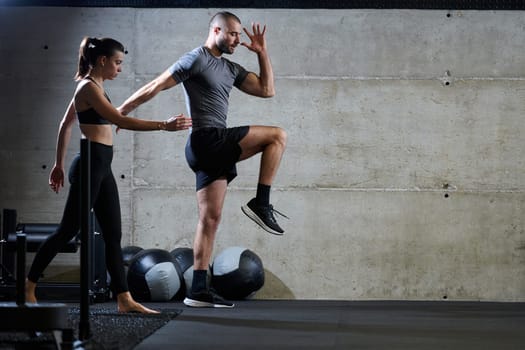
(99, 60)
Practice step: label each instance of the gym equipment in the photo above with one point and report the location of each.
(36, 234)
(153, 276)
(39, 317)
(128, 252)
(237, 273)
(183, 257)
(86, 233)
(20, 316)
(6, 265)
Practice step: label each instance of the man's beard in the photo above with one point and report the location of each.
(223, 47)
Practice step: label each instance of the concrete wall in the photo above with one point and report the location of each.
(403, 177)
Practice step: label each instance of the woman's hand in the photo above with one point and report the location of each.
(56, 178)
(178, 122)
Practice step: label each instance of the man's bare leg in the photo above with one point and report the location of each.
(271, 141)
(210, 200)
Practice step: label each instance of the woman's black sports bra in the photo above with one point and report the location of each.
(90, 116)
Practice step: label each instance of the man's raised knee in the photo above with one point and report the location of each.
(281, 136)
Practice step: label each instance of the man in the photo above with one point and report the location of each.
(213, 150)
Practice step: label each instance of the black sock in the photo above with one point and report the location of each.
(263, 194)
(199, 282)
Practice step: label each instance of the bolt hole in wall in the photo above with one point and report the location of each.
(446, 187)
(446, 78)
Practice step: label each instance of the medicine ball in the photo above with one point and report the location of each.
(153, 275)
(128, 252)
(237, 273)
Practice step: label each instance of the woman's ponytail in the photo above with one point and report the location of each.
(83, 58)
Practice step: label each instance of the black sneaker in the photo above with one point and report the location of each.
(263, 216)
(206, 299)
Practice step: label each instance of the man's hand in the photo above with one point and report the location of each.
(258, 42)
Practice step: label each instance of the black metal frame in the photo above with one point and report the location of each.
(86, 230)
(38, 317)
(58, 291)
(41, 317)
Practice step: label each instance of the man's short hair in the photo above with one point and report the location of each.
(223, 16)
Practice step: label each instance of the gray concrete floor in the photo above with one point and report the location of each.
(280, 324)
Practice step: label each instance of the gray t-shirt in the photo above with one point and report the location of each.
(207, 82)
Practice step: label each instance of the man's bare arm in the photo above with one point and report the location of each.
(261, 85)
(147, 92)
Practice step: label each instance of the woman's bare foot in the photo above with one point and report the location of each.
(30, 292)
(126, 303)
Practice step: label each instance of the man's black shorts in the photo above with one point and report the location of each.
(213, 152)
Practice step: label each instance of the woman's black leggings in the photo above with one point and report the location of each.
(106, 205)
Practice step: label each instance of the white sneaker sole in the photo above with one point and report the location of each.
(249, 213)
(196, 303)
